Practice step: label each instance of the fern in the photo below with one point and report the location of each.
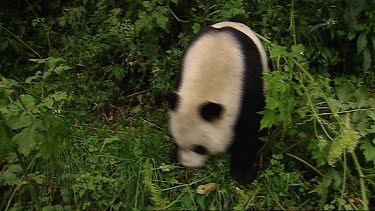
(347, 141)
(159, 203)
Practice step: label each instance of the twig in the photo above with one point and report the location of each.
(343, 182)
(95, 128)
(138, 93)
(175, 16)
(192, 183)
(25, 44)
(361, 182)
(274, 198)
(306, 163)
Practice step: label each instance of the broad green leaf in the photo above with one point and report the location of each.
(368, 151)
(22, 121)
(11, 83)
(31, 78)
(278, 51)
(28, 100)
(38, 178)
(48, 102)
(61, 68)
(345, 92)
(53, 62)
(361, 42)
(298, 52)
(9, 176)
(110, 140)
(351, 34)
(58, 96)
(269, 119)
(366, 59)
(25, 140)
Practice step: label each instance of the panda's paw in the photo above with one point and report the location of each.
(244, 175)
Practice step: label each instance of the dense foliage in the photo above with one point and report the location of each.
(81, 126)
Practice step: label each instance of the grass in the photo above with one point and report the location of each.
(128, 166)
(125, 164)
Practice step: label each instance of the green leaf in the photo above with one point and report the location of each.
(278, 51)
(58, 96)
(25, 140)
(50, 146)
(5, 141)
(269, 119)
(9, 175)
(351, 35)
(11, 83)
(61, 68)
(368, 151)
(16, 122)
(196, 27)
(345, 92)
(366, 64)
(361, 42)
(48, 102)
(298, 52)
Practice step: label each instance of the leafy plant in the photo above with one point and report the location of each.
(33, 129)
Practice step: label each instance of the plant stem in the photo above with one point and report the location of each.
(292, 23)
(30, 186)
(306, 163)
(274, 198)
(361, 182)
(25, 44)
(343, 181)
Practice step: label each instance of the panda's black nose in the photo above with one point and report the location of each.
(199, 149)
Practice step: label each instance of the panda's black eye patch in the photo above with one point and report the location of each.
(199, 149)
(211, 111)
(172, 99)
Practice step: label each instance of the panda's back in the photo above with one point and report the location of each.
(213, 70)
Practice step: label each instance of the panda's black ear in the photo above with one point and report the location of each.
(172, 100)
(211, 111)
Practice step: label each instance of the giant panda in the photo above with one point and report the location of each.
(220, 92)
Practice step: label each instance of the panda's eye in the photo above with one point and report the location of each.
(199, 149)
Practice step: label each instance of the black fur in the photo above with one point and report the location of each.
(211, 111)
(172, 99)
(199, 149)
(246, 142)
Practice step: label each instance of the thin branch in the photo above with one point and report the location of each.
(25, 44)
(306, 163)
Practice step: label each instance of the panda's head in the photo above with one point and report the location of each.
(198, 130)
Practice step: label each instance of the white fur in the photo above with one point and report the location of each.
(205, 78)
(250, 33)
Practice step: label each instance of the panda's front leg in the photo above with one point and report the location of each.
(243, 163)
